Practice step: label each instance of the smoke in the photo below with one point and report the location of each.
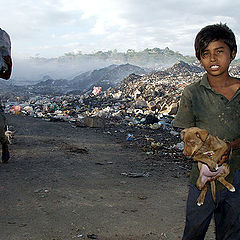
(33, 70)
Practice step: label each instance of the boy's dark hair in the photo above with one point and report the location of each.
(211, 33)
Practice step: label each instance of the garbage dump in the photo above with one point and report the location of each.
(139, 111)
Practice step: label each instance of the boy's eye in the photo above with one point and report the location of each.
(219, 51)
(205, 54)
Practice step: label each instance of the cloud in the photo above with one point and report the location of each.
(51, 28)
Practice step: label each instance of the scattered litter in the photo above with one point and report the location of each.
(11, 222)
(129, 137)
(78, 236)
(178, 146)
(135, 175)
(23, 225)
(164, 235)
(142, 197)
(42, 192)
(92, 236)
(96, 90)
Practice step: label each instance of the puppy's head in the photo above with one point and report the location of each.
(193, 138)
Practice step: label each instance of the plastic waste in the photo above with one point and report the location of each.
(174, 133)
(136, 175)
(129, 137)
(179, 146)
(154, 126)
(96, 90)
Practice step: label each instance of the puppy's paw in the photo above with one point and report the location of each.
(199, 203)
(213, 167)
(232, 189)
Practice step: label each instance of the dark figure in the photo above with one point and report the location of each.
(5, 73)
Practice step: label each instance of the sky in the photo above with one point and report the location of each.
(52, 28)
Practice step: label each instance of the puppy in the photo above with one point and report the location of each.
(206, 149)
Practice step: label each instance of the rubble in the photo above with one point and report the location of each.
(140, 109)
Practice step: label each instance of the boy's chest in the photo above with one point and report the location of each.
(228, 92)
(217, 114)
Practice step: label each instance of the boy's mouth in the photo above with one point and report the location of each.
(214, 67)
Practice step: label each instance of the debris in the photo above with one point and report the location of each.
(78, 236)
(11, 222)
(92, 236)
(96, 90)
(136, 175)
(164, 235)
(129, 137)
(179, 146)
(139, 103)
(142, 197)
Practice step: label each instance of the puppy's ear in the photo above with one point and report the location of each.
(202, 134)
(182, 134)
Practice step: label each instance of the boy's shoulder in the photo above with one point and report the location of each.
(192, 87)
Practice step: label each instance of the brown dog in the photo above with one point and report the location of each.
(207, 149)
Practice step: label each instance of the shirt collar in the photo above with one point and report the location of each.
(204, 81)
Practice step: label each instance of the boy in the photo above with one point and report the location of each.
(213, 104)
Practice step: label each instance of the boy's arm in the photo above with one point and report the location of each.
(185, 117)
(235, 144)
(6, 74)
(231, 147)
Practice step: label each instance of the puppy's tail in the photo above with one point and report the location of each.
(213, 190)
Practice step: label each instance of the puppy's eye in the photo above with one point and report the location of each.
(191, 143)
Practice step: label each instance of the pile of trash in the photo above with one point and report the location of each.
(132, 102)
(139, 111)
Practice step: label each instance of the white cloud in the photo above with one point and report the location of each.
(54, 27)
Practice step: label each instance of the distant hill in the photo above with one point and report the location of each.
(29, 71)
(183, 68)
(106, 77)
(155, 58)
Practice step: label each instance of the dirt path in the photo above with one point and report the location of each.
(66, 183)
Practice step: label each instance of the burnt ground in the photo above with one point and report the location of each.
(65, 182)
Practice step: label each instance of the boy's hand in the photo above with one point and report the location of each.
(225, 155)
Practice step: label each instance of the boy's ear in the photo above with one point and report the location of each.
(233, 54)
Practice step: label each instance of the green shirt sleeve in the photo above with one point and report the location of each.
(185, 117)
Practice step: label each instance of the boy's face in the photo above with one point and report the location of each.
(216, 58)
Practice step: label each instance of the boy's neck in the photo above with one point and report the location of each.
(219, 81)
(224, 84)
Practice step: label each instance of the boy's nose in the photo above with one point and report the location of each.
(213, 57)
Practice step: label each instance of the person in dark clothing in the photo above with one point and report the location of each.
(5, 73)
